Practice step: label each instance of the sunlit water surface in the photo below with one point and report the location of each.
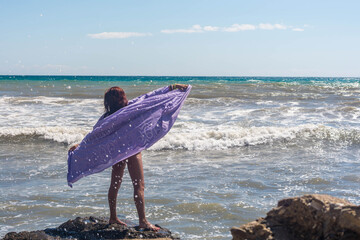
(238, 146)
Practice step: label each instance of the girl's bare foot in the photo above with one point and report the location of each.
(111, 221)
(149, 226)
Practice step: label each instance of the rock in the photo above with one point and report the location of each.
(252, 231)
(91, 228)
(310, 217)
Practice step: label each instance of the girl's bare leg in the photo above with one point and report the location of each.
(135, 168)
(116, 179)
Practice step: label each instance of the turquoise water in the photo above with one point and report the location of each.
(189, 79)
(240, 144)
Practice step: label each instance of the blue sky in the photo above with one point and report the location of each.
(164, 37)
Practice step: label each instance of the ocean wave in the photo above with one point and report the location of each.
(221, 138)
(67, 135)
(199, 137)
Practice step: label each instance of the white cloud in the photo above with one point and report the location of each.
(268, 26)
(194, 29)
(239, 27)
(110, 35)
(233, 28)
(211, 28)
(298, 29)
(280, 26)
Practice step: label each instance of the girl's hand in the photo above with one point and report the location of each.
(178, 86)
(73, 147)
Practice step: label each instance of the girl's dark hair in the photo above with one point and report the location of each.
(114, 99)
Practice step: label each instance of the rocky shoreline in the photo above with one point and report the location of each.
(310, 217)
(91, 228)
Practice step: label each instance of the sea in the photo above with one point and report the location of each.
(239, 145)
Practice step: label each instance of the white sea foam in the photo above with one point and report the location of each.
(220, 138)
(199, 137)
(58, 134)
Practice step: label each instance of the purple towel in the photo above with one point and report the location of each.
(126, 132)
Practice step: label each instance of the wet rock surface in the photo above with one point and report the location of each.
(310, 217)
(91, 228)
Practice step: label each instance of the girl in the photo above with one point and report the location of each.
(115, 99)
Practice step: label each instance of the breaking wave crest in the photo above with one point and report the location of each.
(196, 138)
(67, 135)
(226, 138)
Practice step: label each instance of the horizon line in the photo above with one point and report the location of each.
(69, 75)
